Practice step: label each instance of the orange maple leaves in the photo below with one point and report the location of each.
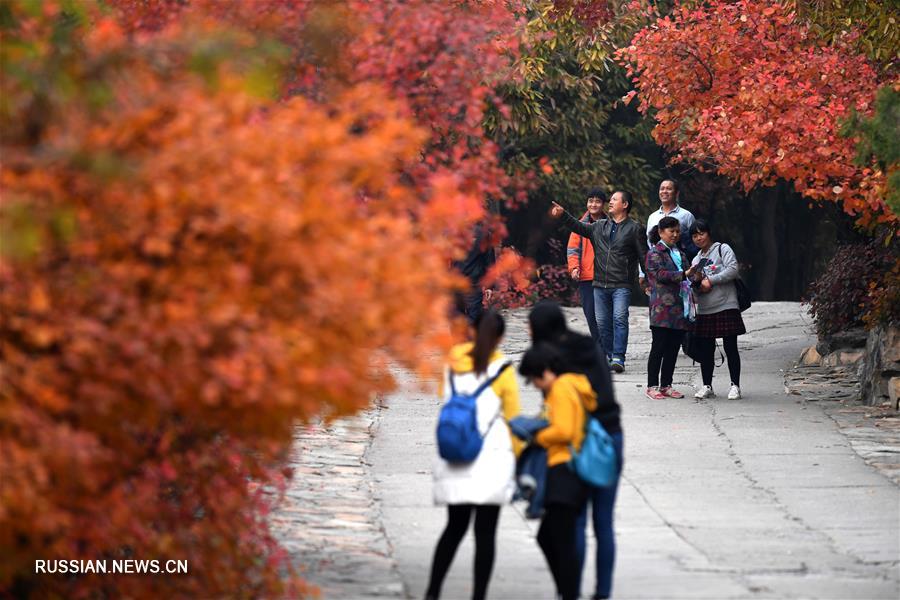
(199, 267)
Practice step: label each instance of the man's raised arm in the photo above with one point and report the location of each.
(570, 222)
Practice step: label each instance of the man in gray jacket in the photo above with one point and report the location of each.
(620, 245)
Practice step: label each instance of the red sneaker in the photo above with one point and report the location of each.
(670, 392)
(654, 394)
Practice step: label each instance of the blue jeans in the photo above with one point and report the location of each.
(603, 500)
(611, 307)
(586, 291)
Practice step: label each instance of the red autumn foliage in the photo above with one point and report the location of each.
(589, 13)
(743, 88)
(442, 57)
(276, 17)
(439, 59)
(547, 282)
(189, 268)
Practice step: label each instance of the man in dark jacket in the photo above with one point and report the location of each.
(475, 266)
(620, 245)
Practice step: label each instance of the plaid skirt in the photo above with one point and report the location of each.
(719, 325)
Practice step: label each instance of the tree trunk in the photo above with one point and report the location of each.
(768, 198)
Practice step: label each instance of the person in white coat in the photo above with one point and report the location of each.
(482, 486)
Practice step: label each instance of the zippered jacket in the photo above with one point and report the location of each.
(567, 402)
(616, 259)
(580, 252)
(722, 270)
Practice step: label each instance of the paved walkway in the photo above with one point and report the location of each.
(329, 521)
(763, 497)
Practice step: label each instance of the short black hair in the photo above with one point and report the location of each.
(539, 358)
(674, 185)
(669, 223)
(653, 236)
(595, 192)
(700, 226)
(626, 196)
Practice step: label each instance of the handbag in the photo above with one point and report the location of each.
(689, 347)
(743, 294)
(692, 350)
(596, 462)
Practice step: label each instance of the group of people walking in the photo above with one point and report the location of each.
(689, 277)
(574, 378)
(690, 283)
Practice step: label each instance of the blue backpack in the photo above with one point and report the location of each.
(458, 438)
(596, 462)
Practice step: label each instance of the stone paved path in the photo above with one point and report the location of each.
(329, 521)
(762, 498)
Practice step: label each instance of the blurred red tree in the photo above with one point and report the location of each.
(440, 60)
(193, 260)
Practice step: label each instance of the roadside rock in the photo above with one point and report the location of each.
(855, 337)
(881, 364)
(894, 392)
(810, 357)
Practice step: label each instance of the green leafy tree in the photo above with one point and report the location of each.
(879, 140)
(873, 24)
(566, 119)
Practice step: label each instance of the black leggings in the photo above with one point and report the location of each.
(706, 348)
(486, 516)
(663, 351)
(557, 540)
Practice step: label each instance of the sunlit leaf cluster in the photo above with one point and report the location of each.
(745, 89)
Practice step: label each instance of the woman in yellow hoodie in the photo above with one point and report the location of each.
(567, 396)
(485, 484)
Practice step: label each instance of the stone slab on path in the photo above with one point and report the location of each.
(329, 521)
(872, 431)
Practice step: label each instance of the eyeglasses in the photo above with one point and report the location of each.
(594, 201)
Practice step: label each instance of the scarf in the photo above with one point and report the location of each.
(687, 303)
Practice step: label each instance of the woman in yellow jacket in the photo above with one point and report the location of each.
(484, 485)
(567, 396)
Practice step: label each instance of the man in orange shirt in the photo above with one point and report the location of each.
(580, 258)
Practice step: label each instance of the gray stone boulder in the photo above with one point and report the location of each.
(855, 337)
(881, 367)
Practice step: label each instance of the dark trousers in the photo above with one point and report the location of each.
(459, 515)
(603, 501)
(556, 537)
(706, 349)
(586, 291)
(663, 354)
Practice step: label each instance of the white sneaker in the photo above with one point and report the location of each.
(734, 393)
(705, 392)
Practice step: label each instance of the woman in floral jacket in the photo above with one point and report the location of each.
(668, 275)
